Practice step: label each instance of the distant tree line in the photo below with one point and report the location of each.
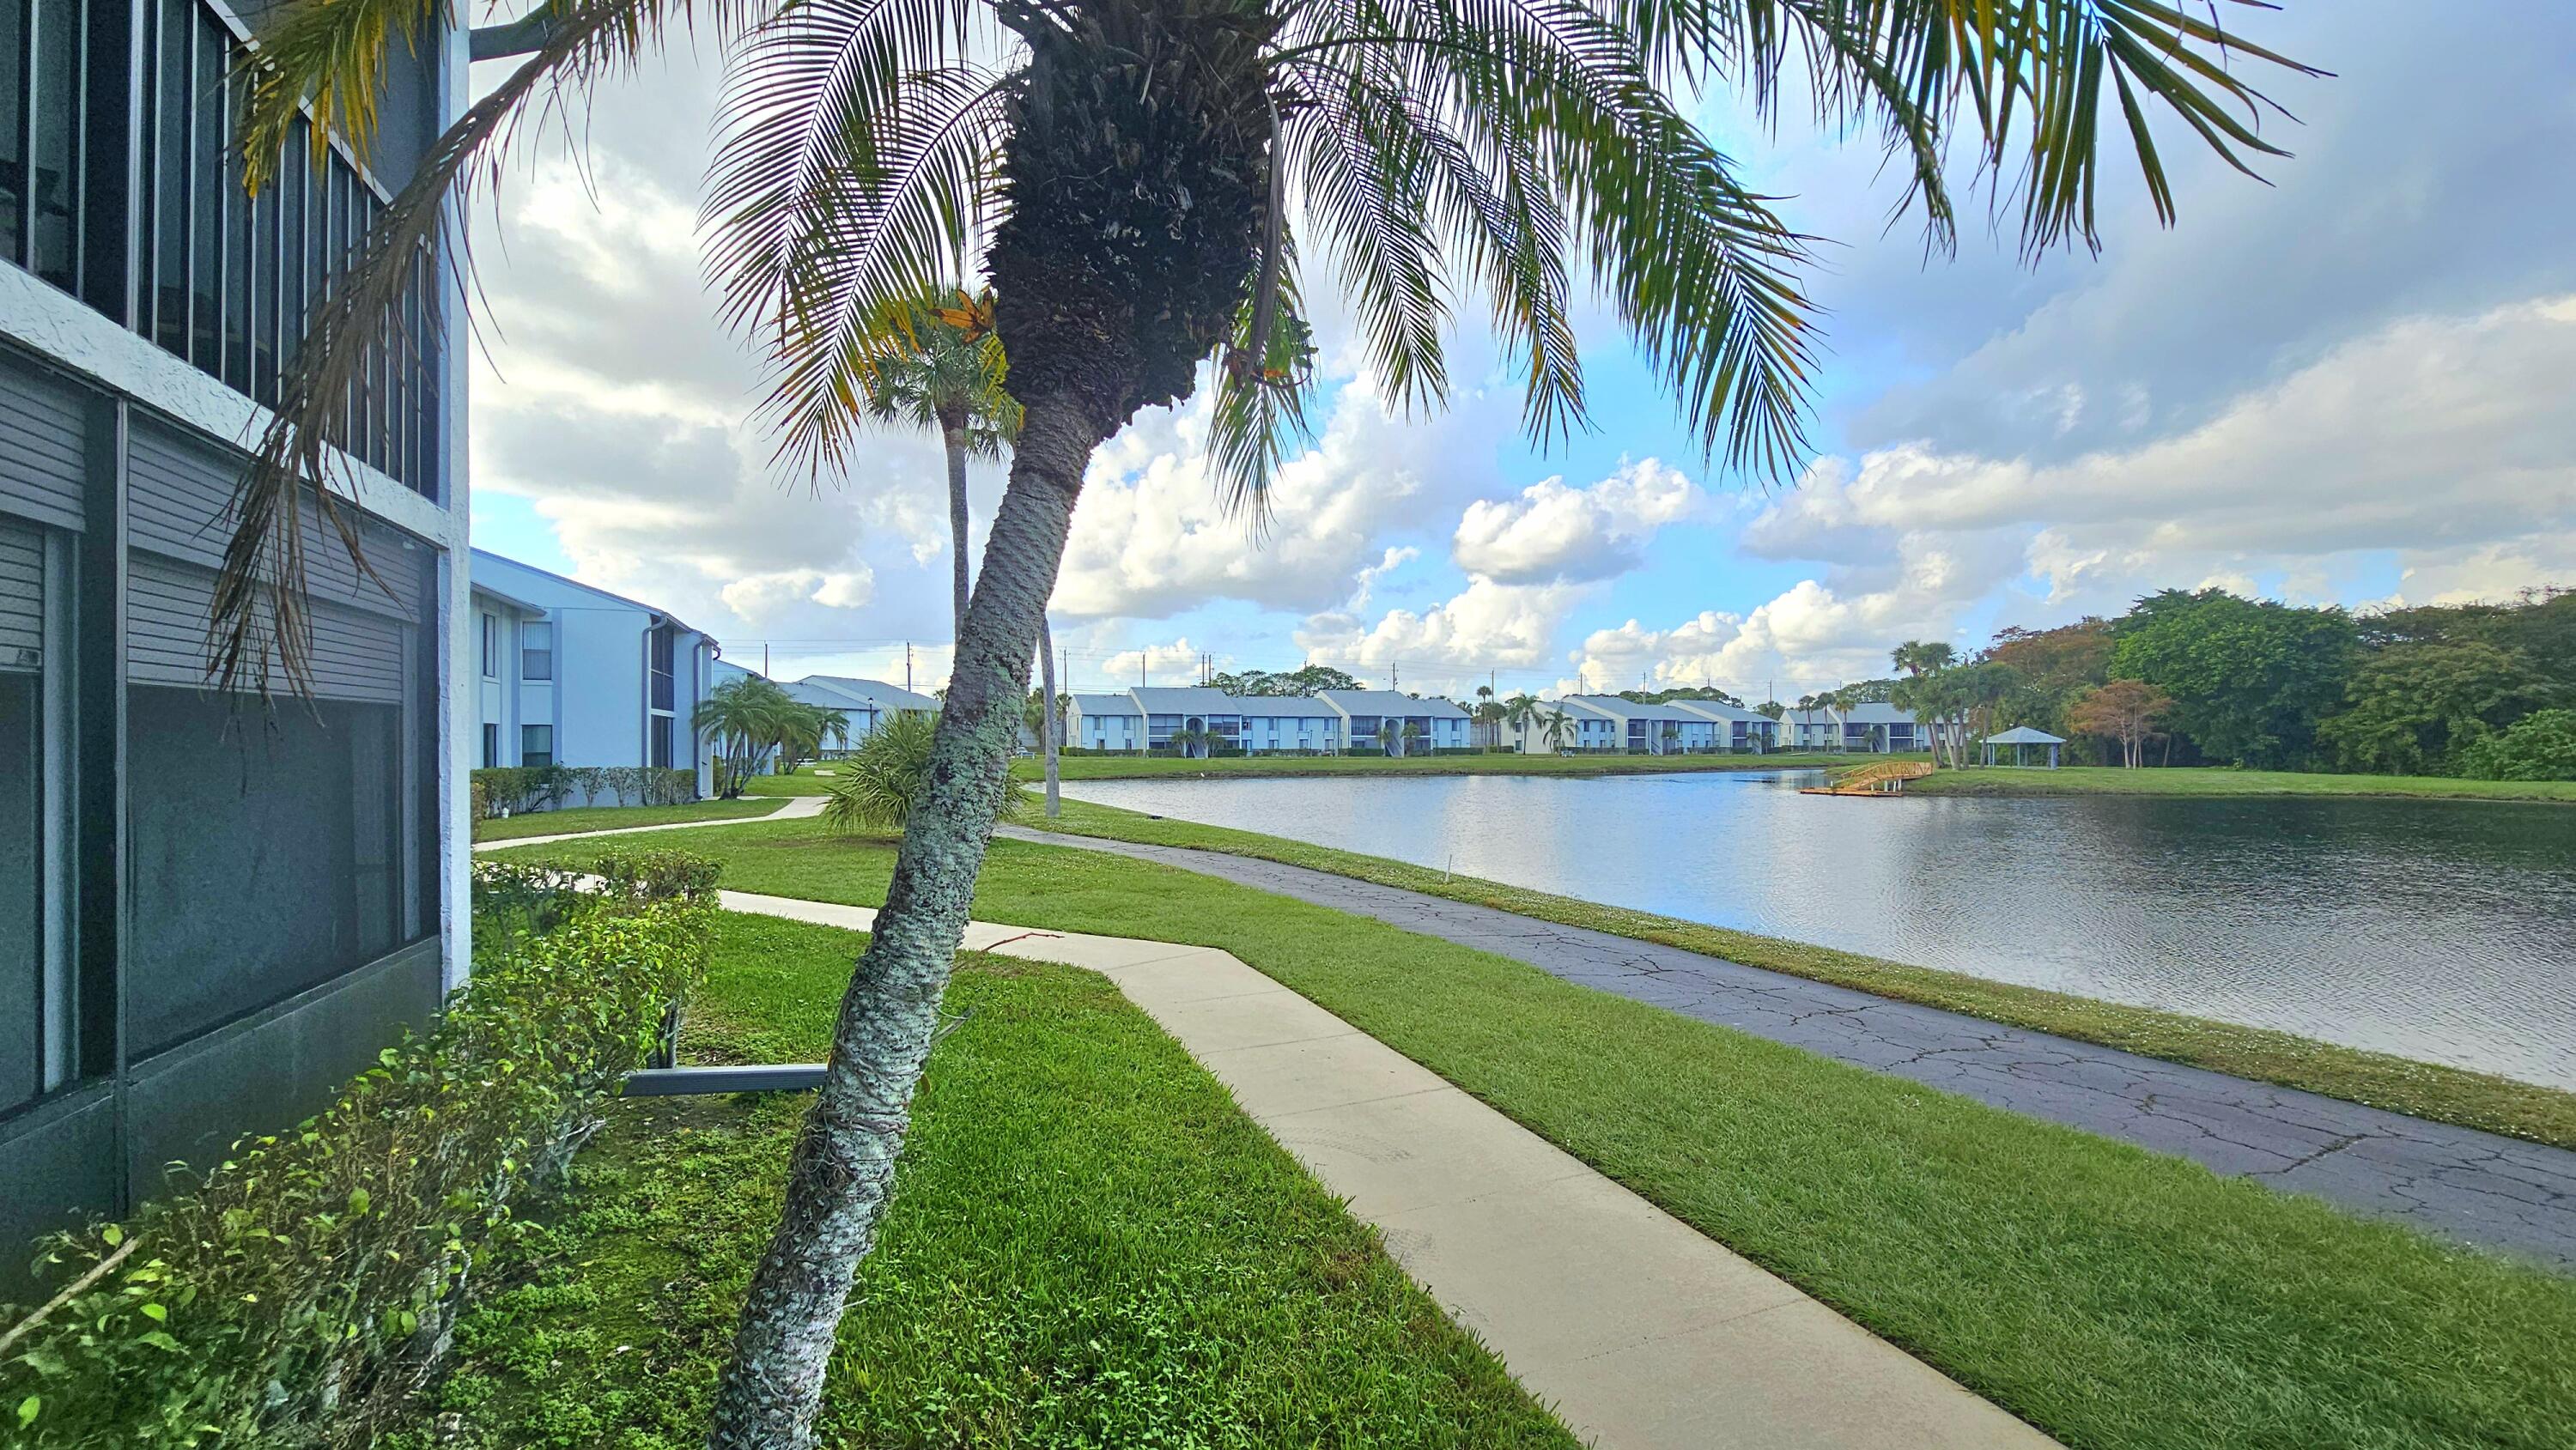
(2210, 677)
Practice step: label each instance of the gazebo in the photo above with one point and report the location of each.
(2019, 736)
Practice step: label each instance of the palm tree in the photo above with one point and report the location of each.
(1388, 736)
(1412, 736)
(1121, 173)
(938, 364)
(1922, 656)
(1554, 727)
(744, 716)
(1518, 711)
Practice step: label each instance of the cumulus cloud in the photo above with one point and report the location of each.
(1549, 531)
(1153, 537)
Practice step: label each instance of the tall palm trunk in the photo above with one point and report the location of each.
(843, 1168)
(953, 431)
(1047, 728)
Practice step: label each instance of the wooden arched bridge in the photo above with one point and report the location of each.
(1887, 777)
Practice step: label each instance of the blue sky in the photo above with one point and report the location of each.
(2345, 385)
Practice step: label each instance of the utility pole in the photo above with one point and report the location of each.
(907, 664)
(764, 659)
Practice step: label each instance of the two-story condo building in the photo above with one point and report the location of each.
(213, 910)
(1104, 722)
(1872, 728)
(570, 674)
(1367, 716)
(1740, 730)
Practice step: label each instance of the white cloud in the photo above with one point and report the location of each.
(1152, 537)
(1550, 531)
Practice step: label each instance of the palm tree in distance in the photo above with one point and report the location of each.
(1123, 174)
(937, 364)
(1554, 727)
(1518, 711)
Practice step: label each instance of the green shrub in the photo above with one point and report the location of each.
(300, 1294)
(518, 789)
(2539, 746)
(885, 775)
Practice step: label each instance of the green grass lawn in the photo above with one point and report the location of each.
(611, 818)
(2221, 781)
(2111, 1296)
(2421, 1089)
(1090, 1247)
(1133, 767)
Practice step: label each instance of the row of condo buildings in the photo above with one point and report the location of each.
(1203, 721)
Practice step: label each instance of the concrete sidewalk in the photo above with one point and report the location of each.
(1641, 1332)
(798, 808)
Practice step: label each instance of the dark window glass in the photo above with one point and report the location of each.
(22, 850)
(536, 651)
(54, 84)
(205, 193)
(267, 231)
(172, 114)
(661, 657)
(294, 182)
(491, 647)
(240, 231)
(491, 744)
(661, 739)
(266, 861)
(536, 745)
(13, 142)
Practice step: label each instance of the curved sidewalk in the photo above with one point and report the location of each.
(2457, 1182)
(1641, 1333)
(798, 807)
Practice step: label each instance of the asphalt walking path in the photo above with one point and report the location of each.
(1642, 1333)
(2460, 1183)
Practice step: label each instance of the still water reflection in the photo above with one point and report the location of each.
(2436, 929)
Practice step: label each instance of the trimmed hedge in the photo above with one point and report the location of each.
(518, 789)
(298, 1297)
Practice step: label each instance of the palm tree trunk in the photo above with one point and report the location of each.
(1049, 731)
(955, 434)
(842, 1172)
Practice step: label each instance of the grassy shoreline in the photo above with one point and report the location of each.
(1200, 1288)
(2399, 1084)
(2111, 1296)
(2221, 782)
(615, 818)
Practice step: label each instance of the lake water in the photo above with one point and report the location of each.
(2439, 930)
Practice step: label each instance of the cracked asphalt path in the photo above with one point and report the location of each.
(2459, 1183)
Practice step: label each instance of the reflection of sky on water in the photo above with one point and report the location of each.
(2437, 929)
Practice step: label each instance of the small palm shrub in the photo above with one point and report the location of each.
(886, 773)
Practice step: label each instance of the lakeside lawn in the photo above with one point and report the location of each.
(2227, 781)
(612, 818)
(1091, 1246)
(2111, 1296)
(2419, 1089)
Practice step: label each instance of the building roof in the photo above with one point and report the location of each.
(1720, 710)
(1105, 705)
(1388, 702)
(1184, 700)
(1870, 714)
(481, 558)
(2024, 735)
(844, 691)
(1618, 708)
(486, 591)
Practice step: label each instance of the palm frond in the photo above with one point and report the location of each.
(1260, 407)
(327, 60)
(815, 264)
(259, 625)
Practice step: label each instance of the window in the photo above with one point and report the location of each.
(276, 871)
(536, 651)
(491, 647)
(662, 652)
(661, 742)
(491, 744)
(536, 745)
(22, 849)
